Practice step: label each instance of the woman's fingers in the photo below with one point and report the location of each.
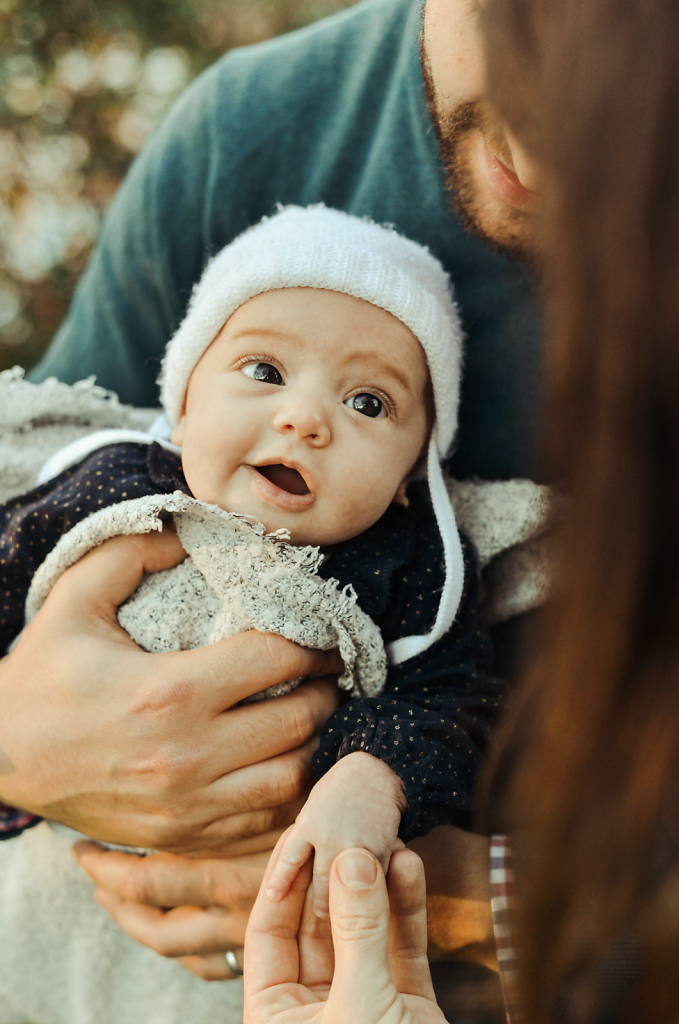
(321, 883)
(359, 915)
(271, 945)
(408, 925)
(294, 853)
(316, 955)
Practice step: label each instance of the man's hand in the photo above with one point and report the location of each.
(135, 748)
(191, 910)
(372, 967)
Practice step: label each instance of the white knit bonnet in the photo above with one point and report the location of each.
(319, 247)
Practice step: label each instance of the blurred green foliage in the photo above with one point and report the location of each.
(83, 83)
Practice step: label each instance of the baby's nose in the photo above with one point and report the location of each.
(305, 419)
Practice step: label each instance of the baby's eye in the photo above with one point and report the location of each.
(368, 405)
(262, 371)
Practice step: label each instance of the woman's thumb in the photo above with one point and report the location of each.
(359, 914)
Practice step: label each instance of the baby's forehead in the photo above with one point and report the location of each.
(347, 331)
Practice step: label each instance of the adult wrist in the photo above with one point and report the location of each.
(9, 732)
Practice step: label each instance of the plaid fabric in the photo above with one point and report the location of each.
(13, 821)
(502, 906)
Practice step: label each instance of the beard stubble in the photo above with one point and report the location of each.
(505, 230)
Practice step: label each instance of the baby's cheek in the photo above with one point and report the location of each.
(200, 473)
(373, 492)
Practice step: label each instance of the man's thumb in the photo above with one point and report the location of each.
(110, 573)
(359, 914)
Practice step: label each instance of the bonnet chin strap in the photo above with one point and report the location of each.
(409, 646)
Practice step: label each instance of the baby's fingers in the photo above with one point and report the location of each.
(295, 853)
(323, 859)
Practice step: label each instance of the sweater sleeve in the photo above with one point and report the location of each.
(13, 822)
(432, 722)
(31, 524)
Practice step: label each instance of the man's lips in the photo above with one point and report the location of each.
(281, 486)
(507, 184)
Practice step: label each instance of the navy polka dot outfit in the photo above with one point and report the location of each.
(31, 524)
(431, 723)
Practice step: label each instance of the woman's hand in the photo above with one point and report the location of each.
(368, 965)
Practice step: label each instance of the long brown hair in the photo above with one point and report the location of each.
(589, 755)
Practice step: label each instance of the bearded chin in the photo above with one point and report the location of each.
(456, 132)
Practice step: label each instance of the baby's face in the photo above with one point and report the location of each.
(308, 411)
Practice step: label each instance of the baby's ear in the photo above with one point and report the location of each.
(177, 435)
(401, 498)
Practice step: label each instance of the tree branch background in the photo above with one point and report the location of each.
(83, 83)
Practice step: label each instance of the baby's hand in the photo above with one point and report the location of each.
(359, 802)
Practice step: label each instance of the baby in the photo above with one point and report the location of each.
(314, 386)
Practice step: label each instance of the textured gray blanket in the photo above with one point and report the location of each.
(236, 578)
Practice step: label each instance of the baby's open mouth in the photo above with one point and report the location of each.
(284, 477)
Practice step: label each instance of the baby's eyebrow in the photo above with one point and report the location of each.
(400, 378)
(388, 369)
(265, 332)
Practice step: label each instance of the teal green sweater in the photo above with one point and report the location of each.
(334, 113)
